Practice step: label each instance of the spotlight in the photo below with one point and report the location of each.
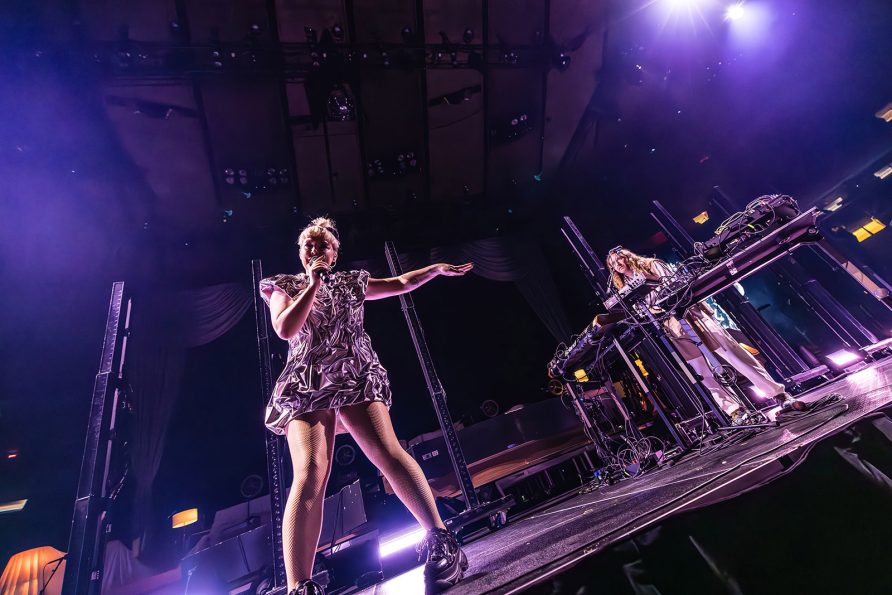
(312, 37)
(468, 35)
(407, 35)
(337, 32)
(562, 61)
(844, 358)
(734, 12)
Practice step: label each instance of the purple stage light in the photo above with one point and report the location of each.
(395, 543)
(734, 12)
(749, 23)
(844, 357)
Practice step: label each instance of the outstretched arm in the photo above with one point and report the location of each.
(383, 288)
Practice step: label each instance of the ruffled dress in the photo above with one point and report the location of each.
(331, 363)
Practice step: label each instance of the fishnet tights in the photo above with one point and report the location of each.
(311, 443)
(369, 424)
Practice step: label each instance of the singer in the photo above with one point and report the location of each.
(333, 382)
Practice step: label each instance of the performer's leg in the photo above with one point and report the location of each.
(370, 426)
(311, 443)
(747, 365)
(720, 394)
(695, 359)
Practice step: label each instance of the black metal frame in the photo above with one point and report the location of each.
(780, 355)
(86, 544)
(658, 348)
(275, 449)
(836, 317)
(475, 509)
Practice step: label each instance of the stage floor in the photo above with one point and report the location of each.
(551, 540)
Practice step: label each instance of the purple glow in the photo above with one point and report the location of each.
(844, 357)
(400, 542)
(748, 23)
(734, 12)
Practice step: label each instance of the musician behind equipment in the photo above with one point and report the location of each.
(625, 265)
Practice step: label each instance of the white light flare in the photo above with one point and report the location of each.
(735, 12)
(400, 542)
(844, 357)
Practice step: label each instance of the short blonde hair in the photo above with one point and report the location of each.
(321, 227)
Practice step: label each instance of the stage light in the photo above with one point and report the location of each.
(468, 35)
(701, 218)
(869, 229)
(562, 61)
(734, 12)
(844, 358)
(884, 172)
(874, 225)
(14, 506)
(401, 542)
(879, 346)
(183, 518)
(885, 113)
(834, 205)
(12, 454)
(581, 376)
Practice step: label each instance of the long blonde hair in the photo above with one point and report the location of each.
(636, 262)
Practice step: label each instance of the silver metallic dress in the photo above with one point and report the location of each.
(331, 363)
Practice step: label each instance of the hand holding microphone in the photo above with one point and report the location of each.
(320, 271)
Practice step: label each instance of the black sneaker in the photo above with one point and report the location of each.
(307, 587)
(446, 562)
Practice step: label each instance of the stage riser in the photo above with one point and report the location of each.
(822, 528)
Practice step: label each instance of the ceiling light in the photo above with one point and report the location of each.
(884, 172)
(14, 506)
(734, 12)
